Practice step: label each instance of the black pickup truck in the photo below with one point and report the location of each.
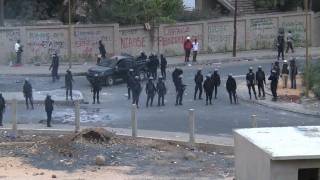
(114, 69)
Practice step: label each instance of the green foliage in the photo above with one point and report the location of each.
(312, 76)
(285, 5)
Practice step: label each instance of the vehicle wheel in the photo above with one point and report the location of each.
(109, 81)
(142, 75)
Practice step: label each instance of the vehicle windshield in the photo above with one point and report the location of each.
(108, 62)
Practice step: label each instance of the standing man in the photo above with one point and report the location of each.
(195, 49)
(216, 82)
(130, 81)
(274, 84)
(289, 42)
(198, 79)
(285, 73)
(187, 49)
(280, 44)
(150, 91)
(2, 108)
(96, 88)
(161, 90)
(27, 92)
(136, 91)
(48, 102)
(180, 90)
(163, 66)
(231, 86)
(18, 49)
(293, 73)
(276, 67)
(68, 83)
(261, 81)
(54, 67)
(208, 88)
(175, 76)
(102, 50)
(250, 82)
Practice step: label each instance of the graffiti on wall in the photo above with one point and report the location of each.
(132, 39)
(46, 42)
(86, 40)
(8, 37)
(297, 27)
(262, 32)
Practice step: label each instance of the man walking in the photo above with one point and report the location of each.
(195, 49)
(274, 84)
(130, 81)
(208, 88)
(18, 49)
(289, 42)
(68, 83)
(231, 86)
(96, 88)
(2, 108)
(163, 66)
(175, 76)
(261, 81)
(198, 79)
(216, 82)
(54, 67)
(150, 91)
(293, 73)
(102, 50)
(27, 92)
(48, 102)
(285, 73)
(136, 91)
(180, 90)
(251, 82)
(161, 90)
(187, 49)
(280, 44)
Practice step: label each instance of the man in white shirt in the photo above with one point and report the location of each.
(195, 49)
(290, 42)
(18, 49)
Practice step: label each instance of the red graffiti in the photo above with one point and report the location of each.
(174, 40)
(137, 42)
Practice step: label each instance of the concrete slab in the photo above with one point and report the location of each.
(285, 143)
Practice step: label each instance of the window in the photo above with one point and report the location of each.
(308, 174)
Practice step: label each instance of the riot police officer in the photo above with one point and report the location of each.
(274, 84)
(198, 79)
(49, 109)
(136, 90)
(261, 81)
(96, 88)
(161, 90)
(54, 67)
(208, 86)
(175, 76)
(251, 82)
(180, 90)
(68, 83)
(231, 86)
(293, 73)
(163, 66)
(130, 80)
(216, 82)
(150, 91)
(27, 92)
(2, 108)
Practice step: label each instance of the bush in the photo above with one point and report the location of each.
(312, 75)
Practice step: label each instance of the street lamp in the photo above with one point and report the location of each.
(234, 53)
(69, 35)
(306, 8)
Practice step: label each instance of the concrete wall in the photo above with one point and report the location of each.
(254, 32)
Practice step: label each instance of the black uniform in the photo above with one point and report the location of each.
(198, 79)
(276, 67)
(261, 81)
(27, 92)
(142, 56)
(274, 85)
(280, 44)
(208, 87)
(150, 91)
(130, 81)
(49, 109)
(293, 74)
(250, 83)
(136, 92)
(162, 91)
(96, 88)
(54, 68)
(154, 63)
(216, 82)
(231, 86)
(102, 50)
(68, 84)
(180, 90)
(163, 66)
(2, 108)
(175, 76)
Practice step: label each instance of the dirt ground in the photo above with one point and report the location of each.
(73, 157)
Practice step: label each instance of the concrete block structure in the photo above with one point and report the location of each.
(281, 153)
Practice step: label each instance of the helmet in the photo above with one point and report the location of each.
(150, 78)
(96, 75)
(251, 68)
(216, 70)
(181, 76)
(160, 77)
(188, 37)
(131, 70)
(208, 75)
(285, 61)
(260, 67)
(230, 74)
(136, 77)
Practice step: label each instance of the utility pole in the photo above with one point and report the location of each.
(234, 53)
(306, 8)
(69, 35)
(1, 12)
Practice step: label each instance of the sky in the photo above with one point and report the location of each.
(189, 3)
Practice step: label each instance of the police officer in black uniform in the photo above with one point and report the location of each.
(96, 88)
(27, 92)
(68, 83)
(2, 108)
(208, 86)
(198, 79)
(231, 86)
(163, 66)
(175, 76)
(216, 82)
(136, 90)
(49, 109)
(54, 67)
(274, 84)
(161, 90)
(251, 82)
(293, 73)
(130, 81)
(261, 81)
(180, 90)
(150, 91)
